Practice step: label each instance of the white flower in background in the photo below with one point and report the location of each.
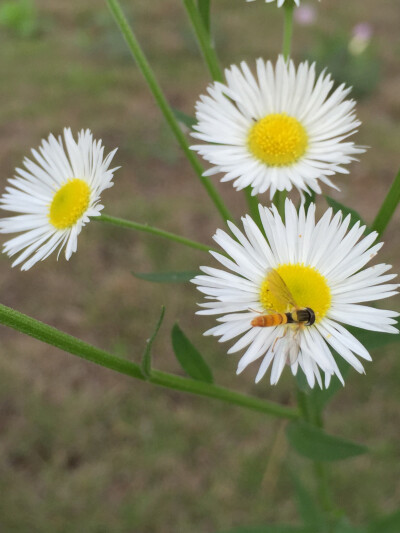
(280, 130)
(280, 2)
(312, 271)
(54, 196)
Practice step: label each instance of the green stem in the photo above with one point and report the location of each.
(122, 223)
(388, 207)
(204, 9)
(310, 415)
(310, 199)
(279, 201)
(159, 96)
(213, 391)
(204, 40)
(45, 333)
(252, 202)
(288, 8)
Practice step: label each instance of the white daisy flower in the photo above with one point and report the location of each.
(55, 196)
(280, 130)
(307, 274)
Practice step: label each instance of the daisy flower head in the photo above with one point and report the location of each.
(284, 128)
(54, 196)
(304, 280)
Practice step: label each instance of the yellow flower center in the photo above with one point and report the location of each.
(307, 286)
(69, 203)
(278, 140)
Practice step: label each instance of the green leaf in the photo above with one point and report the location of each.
(315, 444)
(270, 529)
(310, 513)
(388, 524)
(320, 398)
(146, 359)
(166, 277)
(388, 207)
(184, 118)
(189, 357)
(337, 206)
(373, 339)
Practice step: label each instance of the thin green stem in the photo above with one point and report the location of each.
(310, 415)
(204, 9)
(288, 8)
(129, 224)
(279, 201)
(45, 333)
(213, 391)
(204, 40)
(310, 199)
(252, 202)
(164, 106)
(388, 207)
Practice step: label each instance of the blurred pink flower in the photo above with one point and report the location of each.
(361, 37)
(363, 31)
(305, 15)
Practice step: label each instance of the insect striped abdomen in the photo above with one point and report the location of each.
(265, 321)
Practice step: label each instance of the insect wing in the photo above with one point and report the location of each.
(279, 289)
(293, 350)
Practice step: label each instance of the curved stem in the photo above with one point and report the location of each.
(204, 39)
(45, 333)
(129, 224)
(288, 8)
(388, 207)
(164, 106)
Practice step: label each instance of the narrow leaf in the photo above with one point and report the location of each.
(388, 524)
(373, 339)
(315, 444)
(337, 206)
(166, 277)
(184, 119)
(309, 511)
(388, 207)
(146, 359)
(320, 398)
(189, 357)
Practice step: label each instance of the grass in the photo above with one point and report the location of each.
(83, 449)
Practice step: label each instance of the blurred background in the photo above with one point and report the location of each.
(85, 449)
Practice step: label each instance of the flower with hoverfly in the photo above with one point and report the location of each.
(286, 294)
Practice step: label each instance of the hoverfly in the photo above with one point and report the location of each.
(298, 316)
(302, 316)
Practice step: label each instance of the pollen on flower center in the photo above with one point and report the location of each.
(278, 140)
(69, 203)
(308, 287)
